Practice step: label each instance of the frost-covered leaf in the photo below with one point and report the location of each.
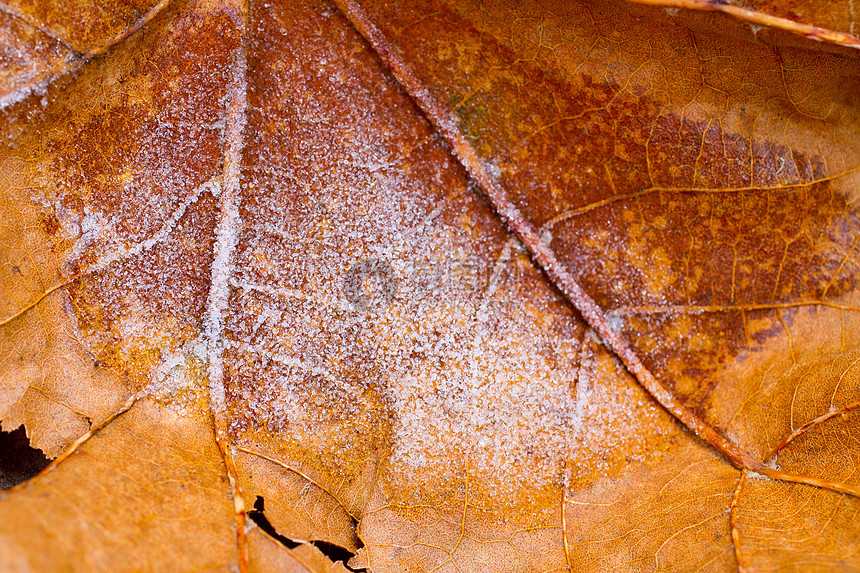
(290, 285)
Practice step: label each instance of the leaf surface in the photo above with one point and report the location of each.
(287, 277)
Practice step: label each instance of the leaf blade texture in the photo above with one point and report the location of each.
(256, 299)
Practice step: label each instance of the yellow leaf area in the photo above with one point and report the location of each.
(270, 292)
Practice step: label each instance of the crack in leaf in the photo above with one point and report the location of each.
(335, 553)
(300, 474)
(94, 429)
(19, 461)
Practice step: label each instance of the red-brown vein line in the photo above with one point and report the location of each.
(527, 233)
(226, 237)
(75, 446)
(79, 59)
(811, 424)
(125, 34)
(736, 537)
(760, 18)
(144, 19)
(23, 19)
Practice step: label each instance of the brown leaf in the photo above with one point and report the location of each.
(445, 287)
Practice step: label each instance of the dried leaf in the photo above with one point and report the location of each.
(451, 286)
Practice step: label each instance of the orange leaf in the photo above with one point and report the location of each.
(451, 286)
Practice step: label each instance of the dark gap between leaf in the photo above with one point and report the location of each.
(18, 461)
(334, 552)
(258, 516)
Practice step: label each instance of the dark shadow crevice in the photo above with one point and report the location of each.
(18, 460)
(334, 552)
